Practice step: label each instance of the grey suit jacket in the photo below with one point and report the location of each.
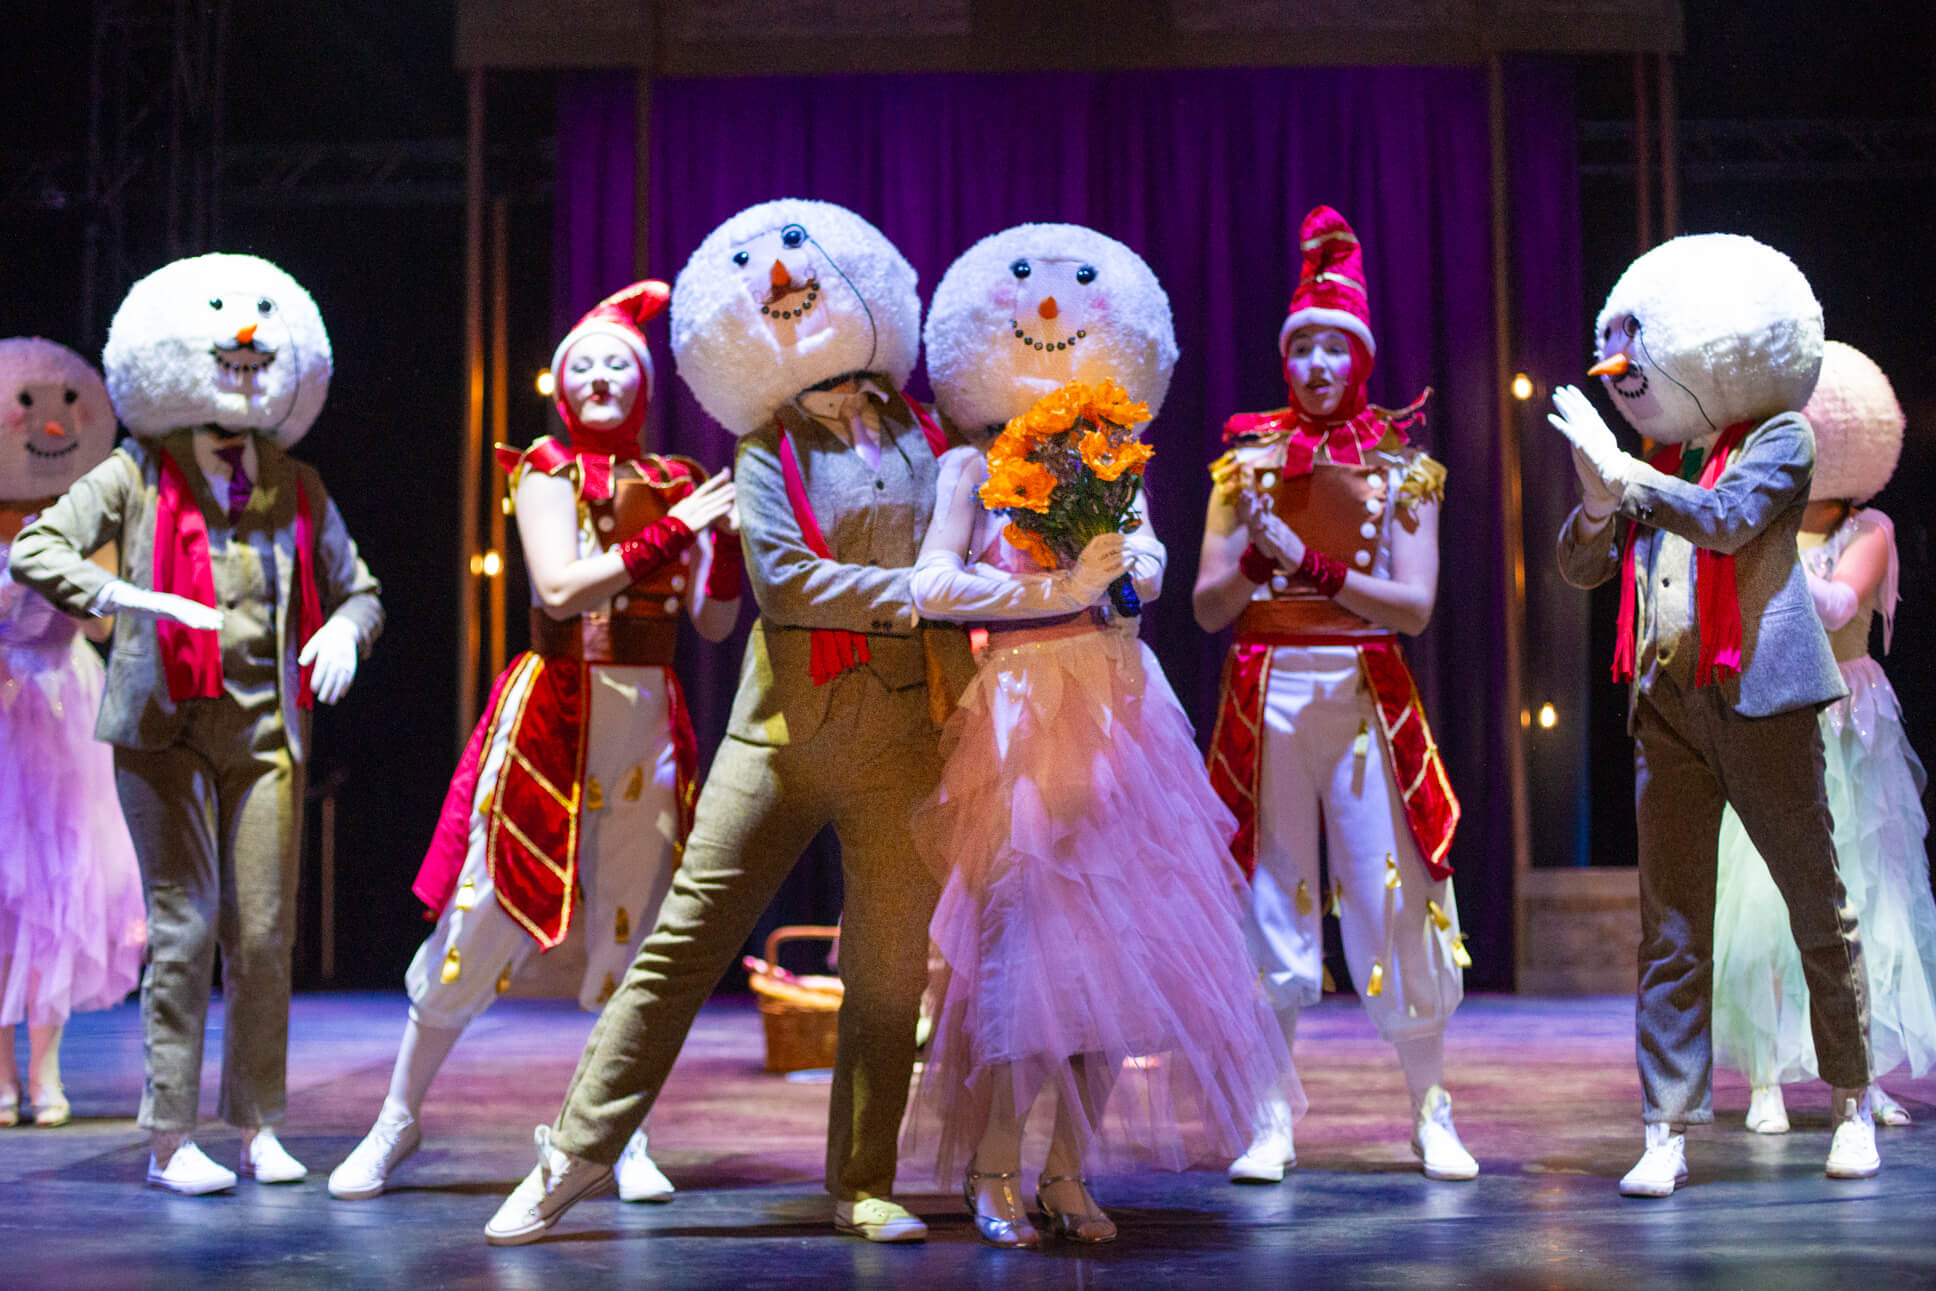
(115, 502)
(873, 526)
(1753, 512)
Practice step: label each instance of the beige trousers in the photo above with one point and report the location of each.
(864, 771)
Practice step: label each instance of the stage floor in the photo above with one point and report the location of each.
(1544, 1091)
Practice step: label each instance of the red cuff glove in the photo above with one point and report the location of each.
(728, 573)
(661, 541)
(1322, 572)
(1256, 566)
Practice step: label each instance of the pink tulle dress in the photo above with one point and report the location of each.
(72, 921)
(1090, 907)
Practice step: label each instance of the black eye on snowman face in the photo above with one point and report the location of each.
(72, 396)
(26, 400)
(1632, 325)
(1086, 274)
(793, 237)
(740, 258)
(1021, 269)
(215, 303)
(265, 307)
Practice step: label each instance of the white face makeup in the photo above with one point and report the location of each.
(785, 273)
(1319, 362)
(601, 381)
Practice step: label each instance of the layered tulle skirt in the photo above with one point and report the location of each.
(1090, 911)
(1875, 785)
(72, 922)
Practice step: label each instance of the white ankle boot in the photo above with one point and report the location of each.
(1767, 1114)
(1272, 1151)
(1436, 1142)
(1662, 1167)
(365, 1172)
(1852, 1153)
(639, 1179)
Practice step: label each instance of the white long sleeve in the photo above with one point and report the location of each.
(944, 587)
(1835, 603)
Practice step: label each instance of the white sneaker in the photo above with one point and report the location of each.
(559, 1181)
(189, 1172)
(1436, 1142)
(1767, 1114)
(638, 1178)
(367, 1168)
(1887, 1110)
(264, 1157)
(1271, 1152)
(879, 1220)
(1662, 1167)
(1852, 1152)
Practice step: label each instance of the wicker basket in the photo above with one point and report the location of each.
(801, 1014)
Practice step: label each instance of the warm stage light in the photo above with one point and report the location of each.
(546, 385)
(1522, 386)
(493, 564)
(1548, 717)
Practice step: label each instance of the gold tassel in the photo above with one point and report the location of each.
(1439, 917)
(1377, 984)
(452, 961)
(466, 895)
(621, 928)
(635, 785)
(606, 992)
(1337, 897)
(1330, 983)
(1391, 873)
(1459, 954)
(1361, 745)
(504, 980)
(1303, 899)
(594, 794)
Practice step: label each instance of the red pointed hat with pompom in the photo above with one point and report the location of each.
(1331, 284)
(623, 315)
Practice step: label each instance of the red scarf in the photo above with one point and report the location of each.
(835, 650)
(1717, 600)
(191, 659)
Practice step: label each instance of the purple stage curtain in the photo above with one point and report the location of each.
(1206, 174)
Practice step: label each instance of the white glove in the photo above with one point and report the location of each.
(1147, 558)
(333, 650)
(944, 587)
(1835, 603)
(1577, 419)
(1598, 499)
(1101, 563)
(121, 597)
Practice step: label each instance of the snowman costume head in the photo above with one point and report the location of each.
(1858, 427)
(225, 341)
(787, 295)
(1024, 311)
(1705, 331)
(56, 422)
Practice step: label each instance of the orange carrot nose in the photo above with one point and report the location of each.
(55, 429)
(1047, 308)
(1611, 366)
(780, 275)
(243, 335)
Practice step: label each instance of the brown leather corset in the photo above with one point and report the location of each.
(642, 625)
(1336, 510)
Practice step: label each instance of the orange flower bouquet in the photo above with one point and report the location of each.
(1068, 470)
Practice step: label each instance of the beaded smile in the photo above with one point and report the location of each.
(813, 294)
(1029, 342)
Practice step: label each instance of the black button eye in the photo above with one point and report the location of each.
(1021, 269)
(793, 237)
(215, 303)
(740, 258)
(26, 400)
(72, 396)
(1086, 274)
(265, 307)
(1633, 325)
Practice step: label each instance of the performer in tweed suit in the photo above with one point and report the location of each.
(795, 324)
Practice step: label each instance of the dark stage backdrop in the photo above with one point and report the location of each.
(1206, 174)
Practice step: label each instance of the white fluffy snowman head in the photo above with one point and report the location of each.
(1707, 330)
(1858, 426)
(218, 340)
(1026, 310)
(784, 296)
(56, 423)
